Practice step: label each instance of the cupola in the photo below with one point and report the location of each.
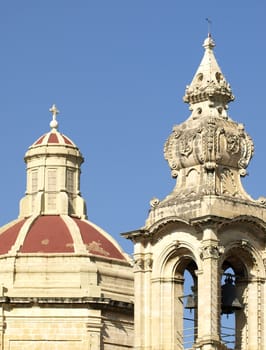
(52, 217)
(53, 175)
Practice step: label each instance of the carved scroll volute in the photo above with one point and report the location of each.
(171, 151)
(179, 149)
(247, 150)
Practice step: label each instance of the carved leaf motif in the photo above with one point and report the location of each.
(228, 183)
(211, 251)
(209, 141)
(138, 264)
(186, 146)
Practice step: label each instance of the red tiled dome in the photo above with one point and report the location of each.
(53, 137)
(51, 234)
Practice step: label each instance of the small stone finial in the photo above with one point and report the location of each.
(54, 122)
(209, 42)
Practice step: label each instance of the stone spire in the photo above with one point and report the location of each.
(209, 151)
(209, 91)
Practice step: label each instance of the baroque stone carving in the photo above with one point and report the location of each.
(138, 264)
(148, 264)
(215, 140)
(154, 202)
(143, 264)
(211, 251)
(186, 145)
(233, 143)
(228, 183)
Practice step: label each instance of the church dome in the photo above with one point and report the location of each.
(56, 266)
(57, 234)
(53, 138)
(52, 217)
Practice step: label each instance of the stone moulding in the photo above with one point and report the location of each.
(90, 301)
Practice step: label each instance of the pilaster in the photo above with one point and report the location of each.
(254, 314)
(208, 292)
(94, 328)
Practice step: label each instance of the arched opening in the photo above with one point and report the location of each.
(190, 328)
(228, 321)
(186, 313)
(233, 286)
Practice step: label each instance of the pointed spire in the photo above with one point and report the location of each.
(209, 144)
(54, 122)
(209, 83)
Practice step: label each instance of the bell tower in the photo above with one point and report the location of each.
(207, 230)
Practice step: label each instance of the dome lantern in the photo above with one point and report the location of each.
(53, 175)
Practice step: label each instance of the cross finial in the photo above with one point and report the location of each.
(54, 111)
(209, 26)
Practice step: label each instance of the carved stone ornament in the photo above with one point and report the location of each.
(211, 251)
(228, 183)
(209, 140)
(143, 264)
(233, 143)
(154, 202)
(138, 264)
(148, 264)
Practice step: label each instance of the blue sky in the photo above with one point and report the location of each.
(117, 70)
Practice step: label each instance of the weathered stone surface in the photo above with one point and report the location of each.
(205, 226)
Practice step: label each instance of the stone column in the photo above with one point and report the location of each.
(2, 331)
(148, 264)
(3, 300)
(254, 317)
(209, 293)
(139, 300)
(178, 312)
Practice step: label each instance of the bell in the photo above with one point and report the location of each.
(190, 305)
(230, 303)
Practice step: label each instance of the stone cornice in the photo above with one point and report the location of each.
(95, 302)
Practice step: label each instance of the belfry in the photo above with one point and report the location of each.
(207, 229)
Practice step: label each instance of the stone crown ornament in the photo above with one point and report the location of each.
(209, 151)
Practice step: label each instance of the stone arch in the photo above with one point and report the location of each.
(242, 257)
(245, 243)
(245, 261)
(175, 258)
(184, 243)
(168, 287)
